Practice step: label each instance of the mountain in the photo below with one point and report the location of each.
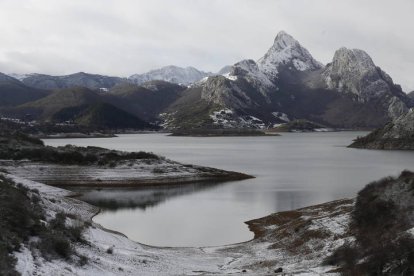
(104, 115)
(71, 99)
(13, 92)
(396, 135)
(89, 108)
(146, 101)
(352, 71)
(287, 83)
(286, 52)
(225, 70)
(80, 79)
(135, 104)
(411, 95)
(172, 74)
(19, 77)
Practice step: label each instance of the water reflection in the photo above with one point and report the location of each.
(114, 199)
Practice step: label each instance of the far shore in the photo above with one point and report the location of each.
(147, 183)
(265, 132)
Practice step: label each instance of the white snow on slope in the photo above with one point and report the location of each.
(251, 72)
(19, 77)
(226, 118)
(172, 74)
(281, 116)
(284, 50)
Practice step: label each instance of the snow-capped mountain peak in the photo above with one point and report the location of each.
(284, 40)
(287, 51)
(172, 74)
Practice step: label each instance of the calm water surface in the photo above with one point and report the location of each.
(292, 171)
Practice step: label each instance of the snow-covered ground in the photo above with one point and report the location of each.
(226, 118)
(295, 241)
(138, 172)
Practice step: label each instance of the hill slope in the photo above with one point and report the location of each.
(146, 101)
(104, 115)
(47, 107)
(13, 92)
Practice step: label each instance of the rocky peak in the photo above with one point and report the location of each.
(247, 65)
(352, 71)
(287, 51)
(352, 60)
(249, 70)
(284, 40)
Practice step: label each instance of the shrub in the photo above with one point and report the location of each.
(83, 260)
(61, 246)
(19, 219)
(379, 223)
(158, 171)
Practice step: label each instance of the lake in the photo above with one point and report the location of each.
(292, 171)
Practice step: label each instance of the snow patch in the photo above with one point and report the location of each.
(226, 118)
(230, 77)
(281, 116)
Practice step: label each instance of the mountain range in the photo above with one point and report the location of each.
(173, 74)
(286, 84)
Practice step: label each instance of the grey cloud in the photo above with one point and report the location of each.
(132, 36)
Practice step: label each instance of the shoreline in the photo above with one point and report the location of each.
(266, 253)
(139, 175)
(166, 182)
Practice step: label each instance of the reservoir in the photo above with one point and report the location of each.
(293, 170)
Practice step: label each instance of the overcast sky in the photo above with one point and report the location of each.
(122, 37)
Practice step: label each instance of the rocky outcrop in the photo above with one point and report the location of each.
(397, 135)
(353, 72)
(224, 92)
